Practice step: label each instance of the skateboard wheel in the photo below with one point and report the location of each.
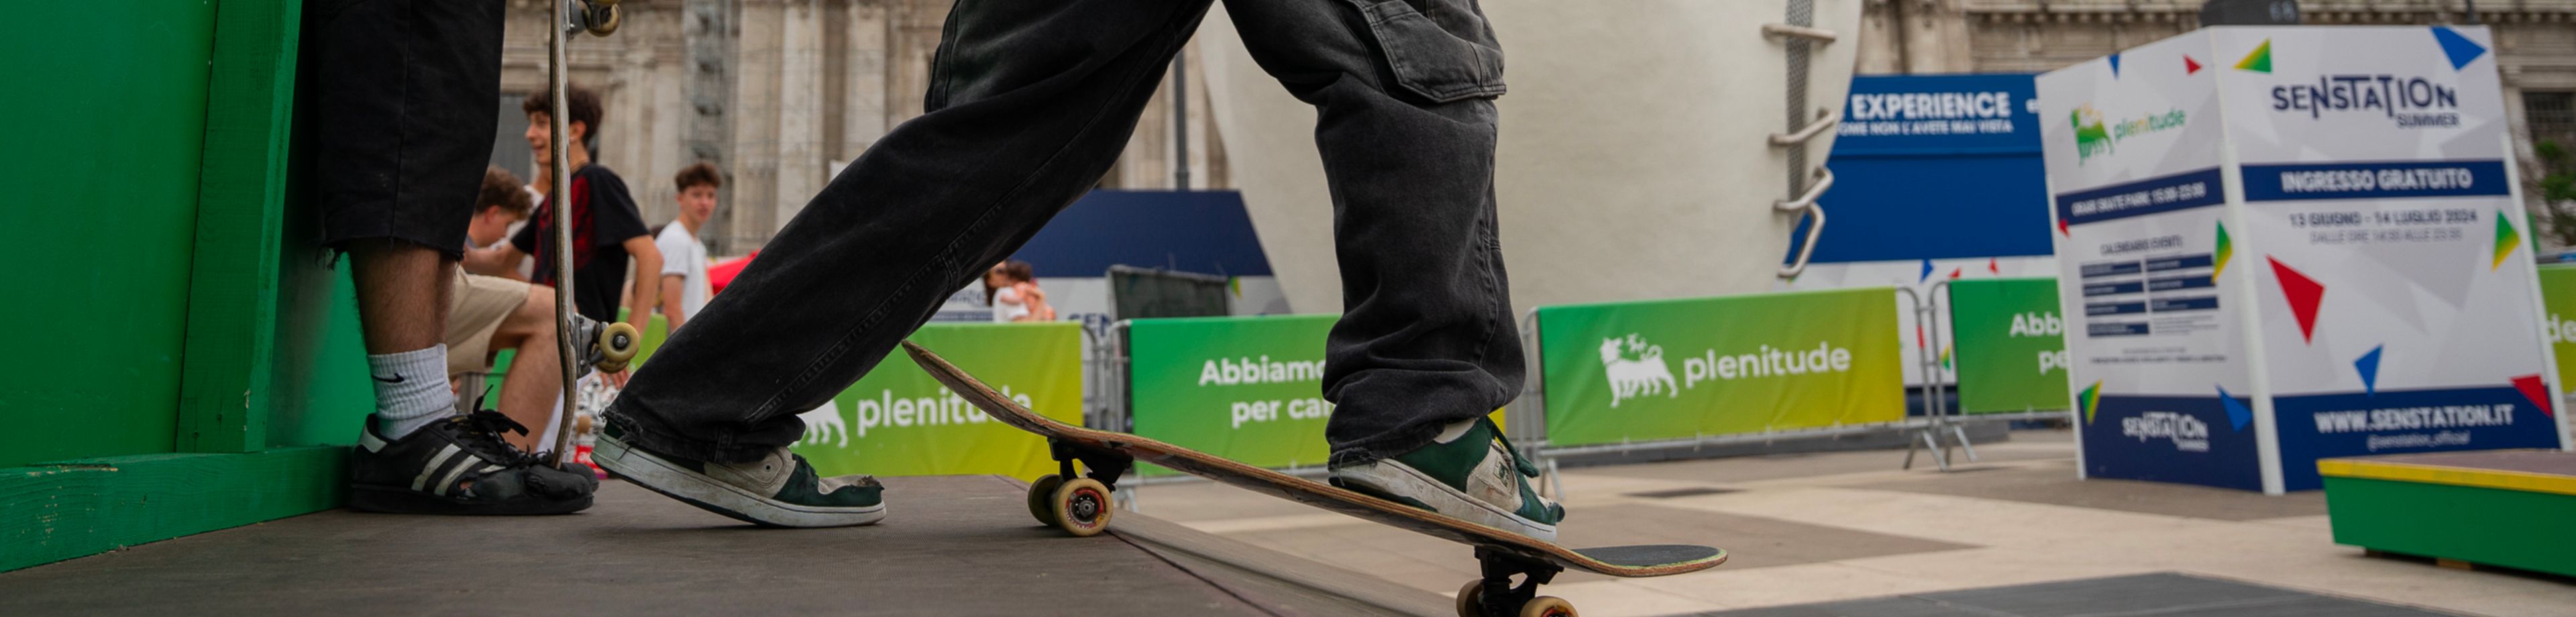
(1042, 498)
(1548, 606)
(602, 18)
(1082, 507)
(1471, 599)
(618, 343)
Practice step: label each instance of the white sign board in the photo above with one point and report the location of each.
(2292, 243)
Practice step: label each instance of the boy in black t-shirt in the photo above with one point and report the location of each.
(606, 231)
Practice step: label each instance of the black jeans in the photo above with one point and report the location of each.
(1030, 103)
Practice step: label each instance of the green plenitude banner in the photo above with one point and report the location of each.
(2558, 299)
(1682, 368)
(1245, 388)
(898, 421)
(2009, 345)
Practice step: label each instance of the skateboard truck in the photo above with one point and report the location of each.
(1080, 505)
(1495, 595)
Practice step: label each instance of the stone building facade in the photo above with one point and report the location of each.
(780, 93)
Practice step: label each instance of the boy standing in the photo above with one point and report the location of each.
(684, 257)
(606, 227)
(400, 97)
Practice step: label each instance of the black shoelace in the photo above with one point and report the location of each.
(482, 435)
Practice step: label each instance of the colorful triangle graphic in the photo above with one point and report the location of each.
(2238, 415)
(2061, 229)
(2303, 293)
(2219, 258)
(2088, 400)
(2190, 66)
(2506, 240)
(2260, 61)
(2536, 390)
(2368, 366)
(2115, 66)
(1994, 266)
(2457, 47)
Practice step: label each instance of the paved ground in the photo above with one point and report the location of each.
(959, 545)
(2142, 595)
(1849, 525)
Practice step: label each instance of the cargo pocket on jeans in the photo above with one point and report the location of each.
(1443, 60)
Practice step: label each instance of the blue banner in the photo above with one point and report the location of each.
(2190, 189)
(1935, 167)
(2186, 439)
(2375, 180)
(1939, 114)
(2400, 421)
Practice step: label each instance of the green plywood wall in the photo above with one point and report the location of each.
(99, 160)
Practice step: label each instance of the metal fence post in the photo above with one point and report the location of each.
(1115, 414)
(1923, 358)
(1527, 415)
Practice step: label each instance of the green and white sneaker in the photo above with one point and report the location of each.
(1469, 472)
(779, 490)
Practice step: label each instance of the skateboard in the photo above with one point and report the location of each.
(1081, 505)
(616, 342)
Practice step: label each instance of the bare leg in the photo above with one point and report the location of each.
(534, 384)
(402, 294)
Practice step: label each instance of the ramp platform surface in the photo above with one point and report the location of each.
(954, 545)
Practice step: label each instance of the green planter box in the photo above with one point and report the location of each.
(2499, 507)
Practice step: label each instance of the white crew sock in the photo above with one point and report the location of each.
(546, 434)
(411, 390)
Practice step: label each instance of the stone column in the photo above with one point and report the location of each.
(755, 123)
(800, 105)
(864, 92)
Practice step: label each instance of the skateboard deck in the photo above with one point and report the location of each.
(617, 341)
(1624, 561)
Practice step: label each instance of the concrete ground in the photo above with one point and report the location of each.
(1850, 525)
(956, 545)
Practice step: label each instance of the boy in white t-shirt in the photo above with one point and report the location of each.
(684, 258)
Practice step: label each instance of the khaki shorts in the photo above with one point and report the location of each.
(475, 310)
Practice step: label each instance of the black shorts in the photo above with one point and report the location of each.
(403, 96)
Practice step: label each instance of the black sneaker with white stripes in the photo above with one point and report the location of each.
(461, 466)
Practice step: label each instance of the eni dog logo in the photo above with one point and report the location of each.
(1636, 369)
(823, 423)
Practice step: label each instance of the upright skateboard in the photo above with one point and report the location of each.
(615, 342)
(1081, 505)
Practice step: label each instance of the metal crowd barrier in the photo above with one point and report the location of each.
(1942, 420)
